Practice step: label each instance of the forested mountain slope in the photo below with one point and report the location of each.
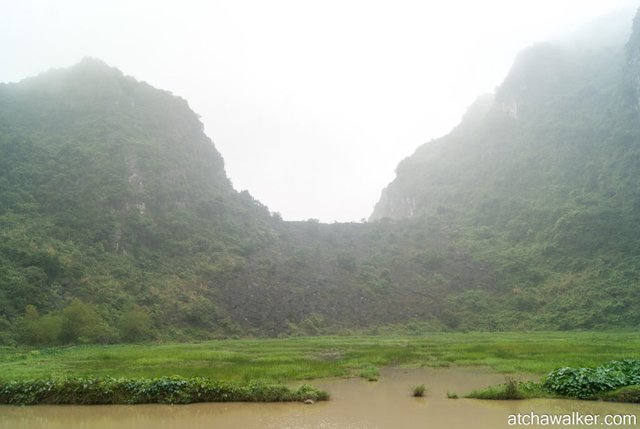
(541, 180)
(118, 222)
(111, 194)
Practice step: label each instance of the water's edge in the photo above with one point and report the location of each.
(355, 403)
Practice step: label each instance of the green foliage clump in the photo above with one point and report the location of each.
(36, 330)
(346, 261)
(164, 390)
(511, 389)
(589, 383)
(615, 380)
(369, 372)
(78, 322)
(81, 323)
(135, 325)
(419, 391)
(430, 259)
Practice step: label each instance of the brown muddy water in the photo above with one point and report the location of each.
(354, 404)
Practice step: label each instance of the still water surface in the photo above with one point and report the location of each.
(354, 404)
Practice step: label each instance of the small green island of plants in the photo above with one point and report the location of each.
(616, 381)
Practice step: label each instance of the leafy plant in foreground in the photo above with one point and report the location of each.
(588, 383)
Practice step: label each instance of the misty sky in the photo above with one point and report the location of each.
(311, 103)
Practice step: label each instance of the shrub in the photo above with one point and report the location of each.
(419, 390)
(41, 331)
(509, 390)
(588, 383)
(135, 325)
(80, 323)
(163, 390)
(369, 373)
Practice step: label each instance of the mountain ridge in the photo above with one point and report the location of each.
(118, 222)
(543, 187)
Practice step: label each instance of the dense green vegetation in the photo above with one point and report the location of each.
(589, 383)
(255, 369)
(283, 360)
(118, 223)
(114, 208)
(419, 391)
(511, 389)
(540, 183)
(616, 381)
(165, 390)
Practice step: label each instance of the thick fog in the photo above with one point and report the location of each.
(312, 104)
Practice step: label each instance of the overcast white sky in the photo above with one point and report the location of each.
(311, 103)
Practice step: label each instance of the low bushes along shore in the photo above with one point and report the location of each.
(163, 390)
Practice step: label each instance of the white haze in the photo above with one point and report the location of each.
(311, 103)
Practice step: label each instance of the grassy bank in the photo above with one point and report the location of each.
(283, 360)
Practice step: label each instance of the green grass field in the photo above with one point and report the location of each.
(283, 360)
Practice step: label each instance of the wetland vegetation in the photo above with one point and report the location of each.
(280, 362)
(128, 261)
(162, 390)
(616, 381)
(299, 358)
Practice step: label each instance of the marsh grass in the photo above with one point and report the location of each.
(369, 373)
(419, 391)
(508, 390)
(623, 394)
(511, 389)
(300, 358)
